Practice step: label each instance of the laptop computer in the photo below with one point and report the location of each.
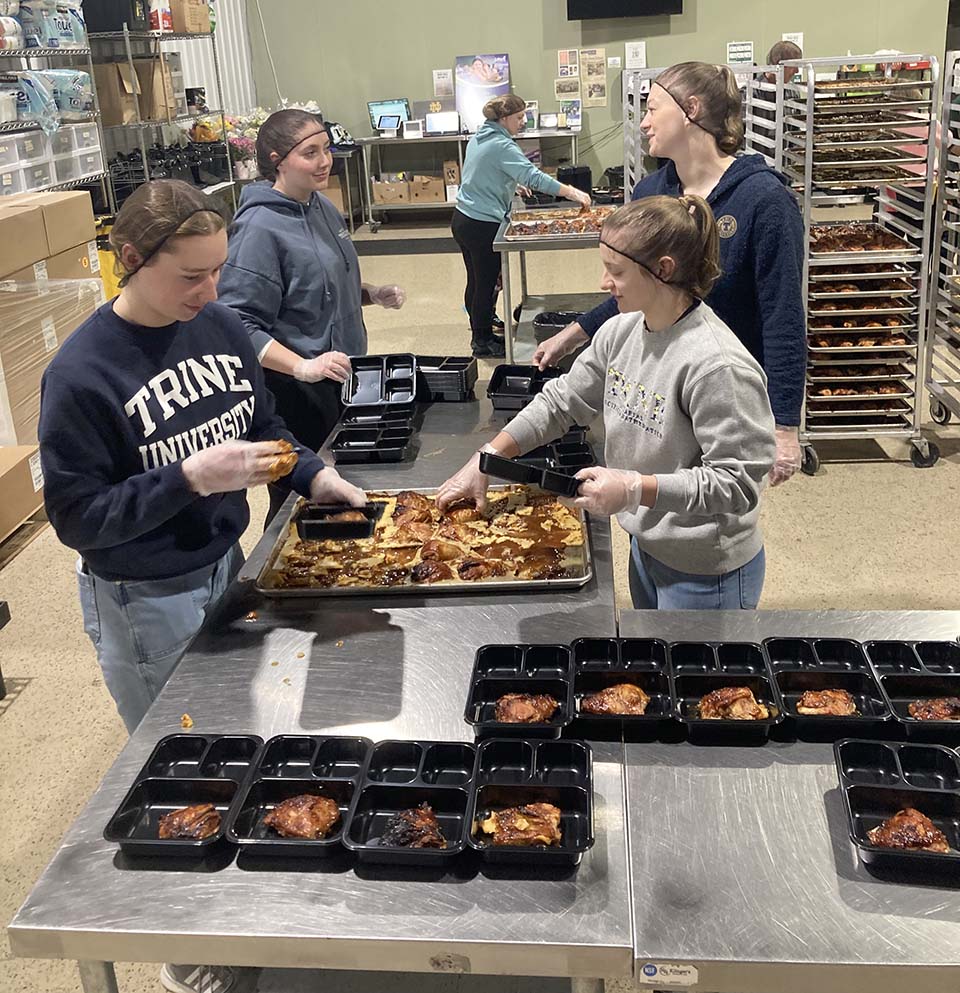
(447, 122)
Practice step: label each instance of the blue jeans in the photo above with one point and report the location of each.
(655, 586)
(141, 629)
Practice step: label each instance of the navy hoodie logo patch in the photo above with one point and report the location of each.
(727, 226)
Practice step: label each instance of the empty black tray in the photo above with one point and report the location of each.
(314, 522)
(381, 379)
(514, 471)
(879, 778)
(512, 387)
(183, 770)
(382, 442)
(446, 377)
(379, 415)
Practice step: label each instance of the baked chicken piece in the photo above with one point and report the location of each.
(414, 828)
(732, 703)
(530, 824)
(941, 708)
(622, 698)
(304, 816)
(196, 822)
(909, 830)
(284, 463)
(827, 703)
(525, 708)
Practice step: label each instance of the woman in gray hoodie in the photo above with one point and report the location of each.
(293, 276)
(689, 433)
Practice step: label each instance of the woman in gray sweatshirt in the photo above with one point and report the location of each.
(689, 434)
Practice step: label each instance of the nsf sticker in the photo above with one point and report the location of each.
(665, 975)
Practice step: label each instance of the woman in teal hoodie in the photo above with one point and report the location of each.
(293, 276)
(494, 168)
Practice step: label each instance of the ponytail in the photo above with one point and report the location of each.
(716, 90)
(708, 272)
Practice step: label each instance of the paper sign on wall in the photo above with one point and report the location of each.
(636, 55)
(568, 63)
(443, 82)
(566, 89)
(593, 72)
(740, 53)
(795, 36)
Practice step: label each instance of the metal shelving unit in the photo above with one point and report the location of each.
(941, 366)
(860, 152)
(27, 56)
(149, 41)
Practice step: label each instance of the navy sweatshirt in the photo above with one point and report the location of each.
(121, 407)
(759, 295)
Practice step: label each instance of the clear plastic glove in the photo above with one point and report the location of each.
(579, 197)
(232, 466)
(467, 484)
(606, 492)
(789, 455)
(391, 297)
(330, 365)
(328, 486)
(563, 343)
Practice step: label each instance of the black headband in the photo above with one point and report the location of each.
(296, 144)
(633, 258)
(683, 110)
(156, 248)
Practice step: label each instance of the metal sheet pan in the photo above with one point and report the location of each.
(896, 156)
(874, 255)
(852, 104)
(899, 329)
(860, 377)
(858, 412)
(885, 349)
(862, 312)
(818, 276)
(288, 535)
(860, 356)
(813, 398)
(817, 424)
(511, 234)
(827, 294)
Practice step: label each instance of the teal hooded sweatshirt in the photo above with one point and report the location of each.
(493, 169)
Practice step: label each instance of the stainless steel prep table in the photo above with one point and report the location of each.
(387, 669)
(543, 243)
(741, 862)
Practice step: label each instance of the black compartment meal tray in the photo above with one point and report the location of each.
(535, 669)
(290, 765)
(386, 441)
(512, 387)
(379, 415)
(399, 775)
(442, 377)
(183, 770)
(556, 319)
(879, 778)
(511, 772)
(550, 480)
(381, 379)
(314, 521)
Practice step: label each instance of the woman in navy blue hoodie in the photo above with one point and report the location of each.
(693, 119)
(154, 421)
(293, 276)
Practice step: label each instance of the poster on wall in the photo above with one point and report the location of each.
(636, 55)
(740, 53)
(566, 89)
(479, 78)
(595, 94)
(572, 110)
(532, 108)
(593, 65)
(568, 62)
(443, 82)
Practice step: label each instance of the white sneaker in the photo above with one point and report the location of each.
(197, 978)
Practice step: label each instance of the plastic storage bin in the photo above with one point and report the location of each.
(33, 146)
(66, 167)
(11, 180)
(89, 162)
(37, 176)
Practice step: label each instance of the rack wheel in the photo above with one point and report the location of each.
(811, 461)
(374, 227)
(940, 412)
(924, 459)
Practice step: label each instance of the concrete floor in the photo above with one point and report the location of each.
(869, 531)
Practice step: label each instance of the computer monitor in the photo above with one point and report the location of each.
(443, 123)
(377, 108)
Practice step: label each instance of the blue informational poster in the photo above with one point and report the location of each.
(478, 79)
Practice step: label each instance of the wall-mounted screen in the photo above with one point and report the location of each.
(583, 10)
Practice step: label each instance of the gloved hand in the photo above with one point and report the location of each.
(230, 466)
(330, 365)
(467, 484)
(789, 455)
(564, 342)
(391, 297)
(328, 486)
(606, 492)
(580, 197)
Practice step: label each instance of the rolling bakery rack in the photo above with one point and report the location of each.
(859, 150)
(941, 367)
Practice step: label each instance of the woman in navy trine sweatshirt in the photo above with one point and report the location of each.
(693, 119)
(154, 420)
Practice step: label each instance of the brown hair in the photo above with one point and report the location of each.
(681, 227)
(782, 51)
(715, 87)
(155, 215)
(281, 133)
(500, 107)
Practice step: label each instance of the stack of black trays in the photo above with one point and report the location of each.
(446, 378)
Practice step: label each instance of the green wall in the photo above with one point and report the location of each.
(343, 53)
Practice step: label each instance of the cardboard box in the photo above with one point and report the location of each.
(387, 193)
(80, 262)
(427, 189)
(117, 92)
(451, 173)
(67, 218)
(163, 92)
(23, 237)
(334, 193)
(190, 16)
(21, 486)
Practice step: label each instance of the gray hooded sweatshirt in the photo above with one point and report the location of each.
(293, 274)
(688, 405)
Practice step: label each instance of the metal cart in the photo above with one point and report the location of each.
(861, 148)
(941, 366)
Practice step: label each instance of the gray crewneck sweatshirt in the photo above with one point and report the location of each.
(688, 405)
